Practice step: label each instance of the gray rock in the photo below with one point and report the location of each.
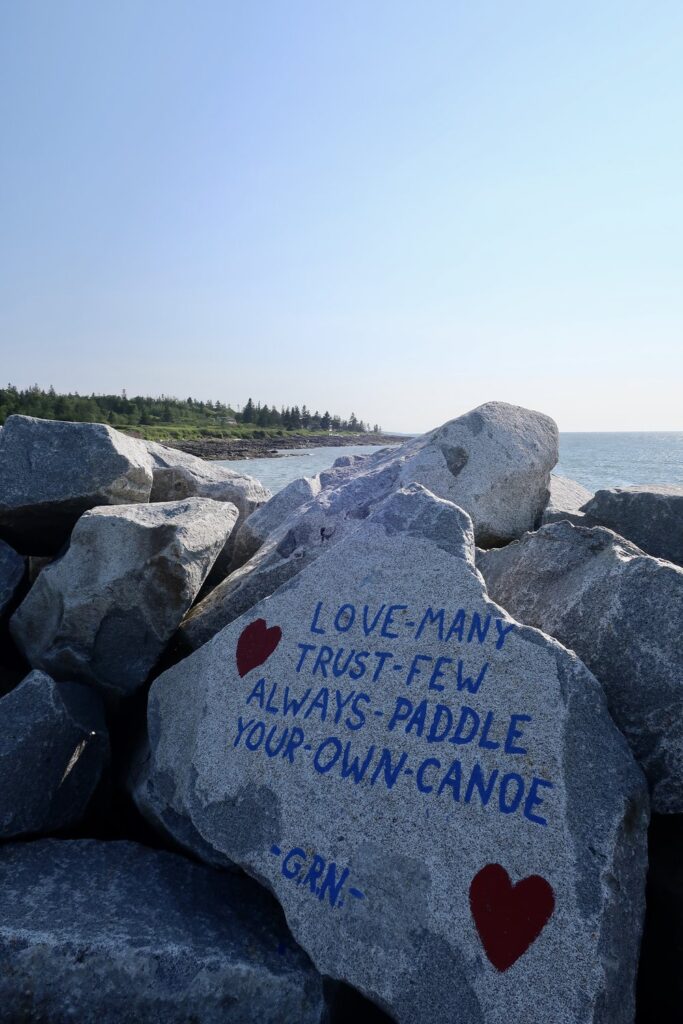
(566, 498)
(342, 468)
(105, 610)
(388, 751)
(51, 472)
(255, 530)
(102, 933)
(179, 475)
(348, 460)
(622, 612)
(53, 747)
(651, 517)
(12, 571)
(493, 462)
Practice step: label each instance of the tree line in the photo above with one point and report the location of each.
(145, 411)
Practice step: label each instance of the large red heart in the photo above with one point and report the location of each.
(509, 917)
(255, 645)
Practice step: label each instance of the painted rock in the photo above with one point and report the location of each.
(436, 795)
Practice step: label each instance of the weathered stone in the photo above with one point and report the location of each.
(348, 460)
(343, 467)
(651, 517)
(178, 475)
(255, 530)
(390, 753)
(493, 462)
(105, 610)
(53, 747)
(622, 612)
(566, 498)
(101, 933)
(12, 571)
(51, 472)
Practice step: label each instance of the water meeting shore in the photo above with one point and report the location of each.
(269, 447)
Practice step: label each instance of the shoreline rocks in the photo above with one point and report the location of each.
(104, 932)
(53, 749)
(566, 498)
(622, 612)
(494, 462)
(51, 472)
(436, 795)
(434, 792)
(104, 612)
(177, 475)
(651, 517)
(255, 530)
(234, 448)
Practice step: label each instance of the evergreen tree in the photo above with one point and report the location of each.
(163, 411)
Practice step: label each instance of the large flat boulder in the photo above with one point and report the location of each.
(494, 463)
(651, 517)
(53, 747)
(566, 498)
(12, 572)
(105, 932)
(622, 612)
(104, 612)
(52, 471)
(436, 795)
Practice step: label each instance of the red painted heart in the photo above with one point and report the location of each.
(255, 645)
(509, 917)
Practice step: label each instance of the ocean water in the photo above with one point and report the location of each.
(294, 463)
(619, 460)
(594, 460)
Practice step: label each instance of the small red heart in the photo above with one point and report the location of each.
(255, 645)
(509, 917)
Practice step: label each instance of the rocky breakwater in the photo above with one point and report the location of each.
(440, 784)
(409, 771)
(494, 462)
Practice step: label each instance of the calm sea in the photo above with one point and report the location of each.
(595, 460)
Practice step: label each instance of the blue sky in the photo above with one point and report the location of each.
(401, 209)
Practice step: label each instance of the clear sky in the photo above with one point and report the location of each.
(402, 209)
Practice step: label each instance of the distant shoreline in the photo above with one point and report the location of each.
(213, 448)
